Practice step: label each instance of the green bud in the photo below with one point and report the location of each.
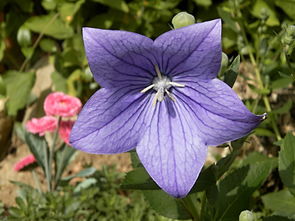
(23, 37)
(246, 215)
(182, 19)
(224, 63)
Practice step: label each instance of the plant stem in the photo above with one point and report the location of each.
(47, 170)
(190, 204)
(37, 41)
(51, 155)
(203, 202)
(36, 180)
(265, 98)
(260, 82)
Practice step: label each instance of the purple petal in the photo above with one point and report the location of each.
(111, 121)
(170, 150)
(191, 52)
(119, 58)
(219, 114)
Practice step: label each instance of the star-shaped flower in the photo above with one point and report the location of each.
(162, 98)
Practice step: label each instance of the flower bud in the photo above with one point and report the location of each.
(246, 215)
(182, 19)
(224, 63)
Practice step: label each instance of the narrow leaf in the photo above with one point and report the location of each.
(231, 74)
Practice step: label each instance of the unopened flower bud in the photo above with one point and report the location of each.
(246, 215)
(224, 63)
(182, 19)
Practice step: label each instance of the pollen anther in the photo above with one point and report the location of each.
(161, 84)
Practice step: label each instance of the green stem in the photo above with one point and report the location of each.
(47, 170)
(260, 82)
(203, 208)
(51, 154)
(265, 98)
(36, 180)
(190, 204)
(37, 41)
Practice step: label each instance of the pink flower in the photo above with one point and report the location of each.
(26, 161)
(42, 125)
(65, 130)
(61, 104)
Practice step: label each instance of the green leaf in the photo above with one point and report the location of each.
(18, 88)
(210, 175)
(281, 202)
(285, 108)
(2, 48)
(49, 4)
(48, 45)
(166, 205)
(83, 173)
(104, 21)
(39, 149)
(288, 7)
(204, 3)
(231, 74)
(277, 218)
(50, 25)
(116, 4)
(205, 180)
(235, 190)
(2, 86)
(263, 132)
(135, 160)
(139, 179)
(260, 6)
(59, 82)
(287, 161)
(20, 202)
(27, 52)
(63, 157)
(67, 10)
(281, 83)
(85, 184)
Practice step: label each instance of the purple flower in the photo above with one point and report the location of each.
(162, 98)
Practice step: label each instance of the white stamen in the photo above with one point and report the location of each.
(161, 84)
(158, 71)
(147, 88)
(176, 84)
(170, 95)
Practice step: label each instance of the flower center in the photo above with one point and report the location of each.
(161, 84)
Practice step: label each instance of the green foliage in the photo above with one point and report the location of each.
(287, 162)
(18, 89)
(100, 199)
(230, 75)
(282, 202)
(49, 25)
(256, 38)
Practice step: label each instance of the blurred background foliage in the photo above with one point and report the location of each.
(47, 33)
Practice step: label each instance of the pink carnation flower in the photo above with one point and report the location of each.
(65, 130)
(42, 125)
(63, 105)
(26, 161)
